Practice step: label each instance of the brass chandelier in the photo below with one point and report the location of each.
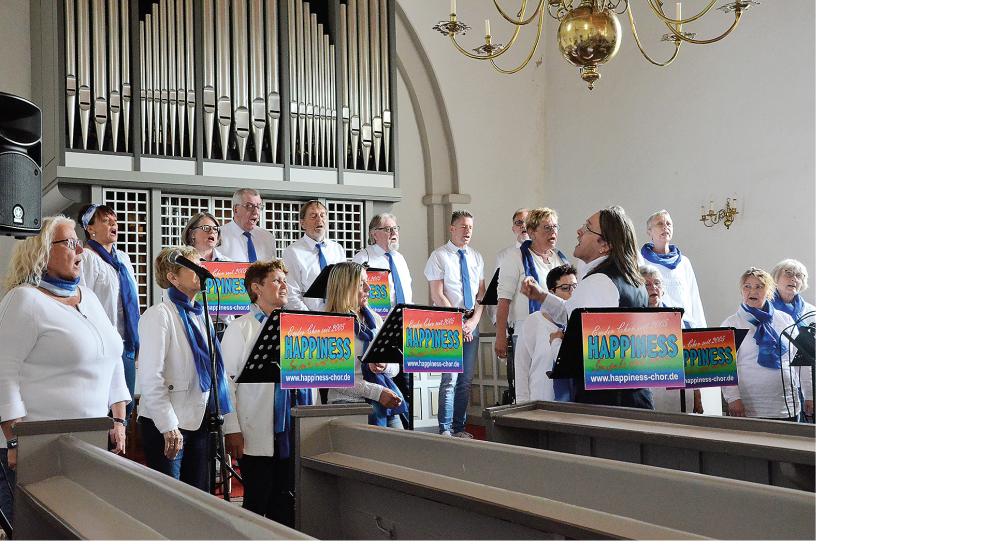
(589, 35)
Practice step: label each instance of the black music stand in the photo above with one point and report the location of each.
(491, 298)
(570, 363)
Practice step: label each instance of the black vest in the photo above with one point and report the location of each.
(629, 296)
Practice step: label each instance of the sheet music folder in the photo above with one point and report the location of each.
(387, 346)
(263, 363)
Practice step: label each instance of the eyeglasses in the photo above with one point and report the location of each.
(566, 288)
(791, 273)
(208, 228)
(655, 286)
(588, 229)
(250, 207)
(72, 244)
(550, 228)
(389, 230)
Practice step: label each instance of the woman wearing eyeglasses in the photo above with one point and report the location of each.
(765, 384)
(534, 258)
(538, 344)
(202, 233)
(791, 280)
(62, 358)
(108, 272)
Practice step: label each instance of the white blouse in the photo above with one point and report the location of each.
(105, 283)
(765, 392)
(511, 276)
(535, 355)
(58, 362)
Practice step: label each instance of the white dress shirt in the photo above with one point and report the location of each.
(765, 392)
(680, 290)
(253, 401)
(234, 243)
(167, 377)
(511, 276)
(58, 362)
(535, 355)
(105, 283)
(376, 257)
(444, 265)
(362, 390)
(303, 267)
(594, 291)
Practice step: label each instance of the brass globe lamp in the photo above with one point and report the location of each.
(588, 37)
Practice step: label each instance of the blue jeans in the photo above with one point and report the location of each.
(190, 465)
(455, 391)
(130, 375)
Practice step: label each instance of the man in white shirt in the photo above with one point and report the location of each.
(382, 254)
(519, 230)
(538, 344)
(606, 243)
(455, 273)
(243, 240)
(308, 255)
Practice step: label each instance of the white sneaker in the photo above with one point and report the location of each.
(446, 433)
(464, 435)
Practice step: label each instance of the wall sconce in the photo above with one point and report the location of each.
(725, 215)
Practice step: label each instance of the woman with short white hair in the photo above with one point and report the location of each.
(791, 280)
(61, 358)
(679, 282)
(765, 384)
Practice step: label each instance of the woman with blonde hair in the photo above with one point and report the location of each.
(792, 279)
(765, 384)
(61, 356)
(175, 375)
(348, 293)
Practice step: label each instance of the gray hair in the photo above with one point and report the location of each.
(649, 271)
(237, 197)
(375, 222)
(653, 217)
(795, 266)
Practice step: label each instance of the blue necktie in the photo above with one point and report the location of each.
(465, 281)
(321, 255)
(250, 249)
(396, 279)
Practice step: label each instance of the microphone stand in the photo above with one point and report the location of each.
(215, 419)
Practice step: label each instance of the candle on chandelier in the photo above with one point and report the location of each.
(454, 6)
(488, 28)
(679, 16)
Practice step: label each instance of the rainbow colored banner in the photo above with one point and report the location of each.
(432, 341)
(316, 351)
(227, 292)
(379, 292)
(710, 358)
(632, 350)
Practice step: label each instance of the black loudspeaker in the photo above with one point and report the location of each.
(20, 166)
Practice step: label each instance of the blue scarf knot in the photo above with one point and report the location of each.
(794, 309)
(364, 332)
(199, 349)
(766, 337)
(669, 261)
(529, 268)
(128, 294)
(59, 287)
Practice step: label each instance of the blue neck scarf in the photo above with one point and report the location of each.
(795, 310)
(364, 332)
(59, 287)
(669, 261)
(282, 402)
(128, 294)
(529, 268)
(199, 349)
(770, 347)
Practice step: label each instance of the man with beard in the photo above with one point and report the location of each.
(243, 240)
(308, 255)
(382, 253)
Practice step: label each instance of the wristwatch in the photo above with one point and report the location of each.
(12, 443)
(120, 420)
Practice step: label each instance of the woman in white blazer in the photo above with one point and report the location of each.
(348, 293)
(766, 386)
(175, 376)
(264, 445)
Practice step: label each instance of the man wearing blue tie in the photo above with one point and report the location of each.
(308, 255)
(455, 273)
(384, 239)
(243, 240)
